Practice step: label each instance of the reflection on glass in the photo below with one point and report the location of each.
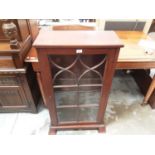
(67, 114)
(88, 114)
(65, 97)
(89, 97)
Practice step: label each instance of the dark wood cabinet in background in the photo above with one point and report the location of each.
(19, 90)
(27, 30)
(22, 30)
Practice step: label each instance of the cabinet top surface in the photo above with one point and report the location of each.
(48, 38)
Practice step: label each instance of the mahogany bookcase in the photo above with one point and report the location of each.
(76, 70)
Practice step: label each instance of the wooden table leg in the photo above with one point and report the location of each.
(149, 92)
(143, 80)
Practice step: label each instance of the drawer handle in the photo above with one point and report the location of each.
(78, 51)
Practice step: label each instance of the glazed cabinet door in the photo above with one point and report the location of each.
(76, 81)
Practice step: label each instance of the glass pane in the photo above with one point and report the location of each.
(91, 77)
(65, 78)
(67, 114)
(89, 95)
(77, 82)
(88, 114)
(65, 97)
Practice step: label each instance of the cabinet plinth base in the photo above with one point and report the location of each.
(102, 129)
(53, 129)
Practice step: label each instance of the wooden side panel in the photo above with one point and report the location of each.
(33, 28)
(23, 28)
(47, 88)
(107, 78)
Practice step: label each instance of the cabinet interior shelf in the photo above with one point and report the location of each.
(82, 85)
(78, 106)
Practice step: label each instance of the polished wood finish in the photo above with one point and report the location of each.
(73, 27)
(103, 43)
(132, 56)
(94, 39)
(135, 65)
(132, 52)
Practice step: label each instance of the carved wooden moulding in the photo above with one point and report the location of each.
(10, 32)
